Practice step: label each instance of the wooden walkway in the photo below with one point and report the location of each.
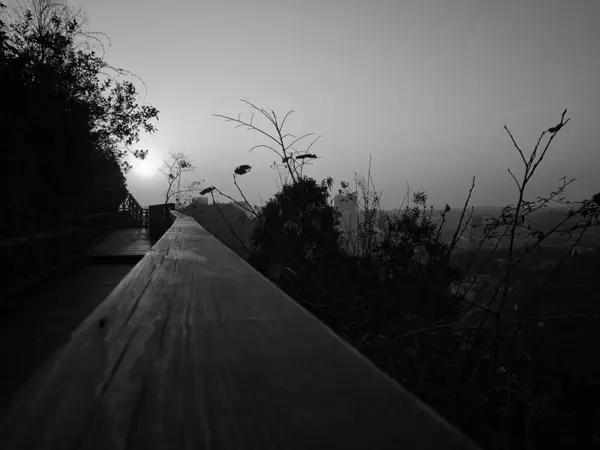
(37, 326)
(128, 243)
(42, 320)
(195, 349)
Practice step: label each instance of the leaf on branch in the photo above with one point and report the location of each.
(327, 182)
(555, 129)
(243, 169)
(308, 155)
(208, 190)
(140, 154)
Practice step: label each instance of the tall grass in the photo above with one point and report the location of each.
(398, 291)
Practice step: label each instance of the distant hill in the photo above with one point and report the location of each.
(543, 219)
(208, 216)
(240, 205)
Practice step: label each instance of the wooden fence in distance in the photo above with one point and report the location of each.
(139, 214)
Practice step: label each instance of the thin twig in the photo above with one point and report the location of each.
(462, 216)
(516, 146)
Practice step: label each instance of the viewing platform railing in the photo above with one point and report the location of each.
(195, 349)
(139, 214)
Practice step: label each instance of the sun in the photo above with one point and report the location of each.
(146, 168)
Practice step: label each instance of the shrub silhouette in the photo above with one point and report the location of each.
(510, 366)
(296, 233)
(65, 125)
(407, 236)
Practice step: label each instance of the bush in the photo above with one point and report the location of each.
(296, 233)
(511, 366)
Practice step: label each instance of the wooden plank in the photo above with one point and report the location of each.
(124, 242)
(41, 322)
(196, 350)
(35, 259)
(11, 242)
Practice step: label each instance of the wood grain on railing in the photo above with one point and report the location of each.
(196, 350)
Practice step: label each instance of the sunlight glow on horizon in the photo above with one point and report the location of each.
(424, 86)
(146, 168)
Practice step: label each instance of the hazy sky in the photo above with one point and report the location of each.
(425, 86)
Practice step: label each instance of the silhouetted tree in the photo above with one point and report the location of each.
(66, 123)
(173, 170)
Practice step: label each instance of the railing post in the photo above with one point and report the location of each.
(135, 211)
(159, 219)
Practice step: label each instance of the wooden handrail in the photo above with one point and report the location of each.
(195, 349)
(131, 205)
